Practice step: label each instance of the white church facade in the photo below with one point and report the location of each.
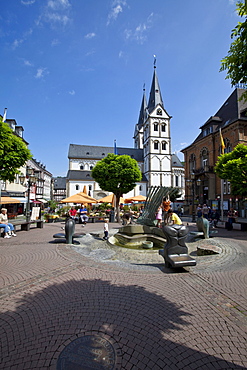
(152, 151)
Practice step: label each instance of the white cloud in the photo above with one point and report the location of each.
(57, 18)
(117, 8)
(27, 63)
(17, 43)
(90, 35)
(41, 72)
(91, 52)
(58, 4)
(28, 2)
(56, 12)
(139, 34)
(72, 92)
(55, 42)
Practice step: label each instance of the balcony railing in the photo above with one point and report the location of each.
(204, 169)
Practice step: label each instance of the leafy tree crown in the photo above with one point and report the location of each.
(117, 173)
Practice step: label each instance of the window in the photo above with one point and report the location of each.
(77, 187)
(176, 180)
(140, 187)
(89, 187)
(81, 167)
(204, 157)
(163, 145)
(155, 126)
(156, 145)
(159, 112)
(163, 128)
(91, 167)
(192, 163)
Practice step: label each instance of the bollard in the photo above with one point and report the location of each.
(69, 230)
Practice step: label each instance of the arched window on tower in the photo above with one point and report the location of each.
(163, 127)
(159, 112)
(81, 167)
(156, 126)
(91, 167)
(156, 145)
(163, 145)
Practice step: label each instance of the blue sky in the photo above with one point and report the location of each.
(72, 71)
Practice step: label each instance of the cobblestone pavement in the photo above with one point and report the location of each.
(154, 317)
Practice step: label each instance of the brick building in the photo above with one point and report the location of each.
(200, 157)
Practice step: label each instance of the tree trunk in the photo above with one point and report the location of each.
(117, 207)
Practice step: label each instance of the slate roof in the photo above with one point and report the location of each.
(155, 97)
(100, 152)
(79, 175)
(229, 112)
(59, 183)
(176, 161)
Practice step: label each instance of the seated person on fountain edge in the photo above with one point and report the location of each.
(173, 218)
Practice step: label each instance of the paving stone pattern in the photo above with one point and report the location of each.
(154, 317)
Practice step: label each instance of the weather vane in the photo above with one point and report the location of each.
(154, 61)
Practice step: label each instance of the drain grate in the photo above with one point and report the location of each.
(87, 353)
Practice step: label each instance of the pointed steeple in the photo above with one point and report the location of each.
(155, 93)
(143, 114)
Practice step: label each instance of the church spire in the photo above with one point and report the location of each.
(142, 115)
(155, 97)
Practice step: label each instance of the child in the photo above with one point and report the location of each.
(159, 216)
(106, 229)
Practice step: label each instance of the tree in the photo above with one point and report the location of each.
(117, 174)
(13, 153)
(233, 167)
(236, 61)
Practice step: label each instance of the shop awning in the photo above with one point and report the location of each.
(8, 200)
(42, 200)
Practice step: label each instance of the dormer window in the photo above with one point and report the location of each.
(87, 153)
(159, 112)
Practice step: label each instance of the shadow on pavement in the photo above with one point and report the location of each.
(146, 329)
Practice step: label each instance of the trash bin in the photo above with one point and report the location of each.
(112, 216)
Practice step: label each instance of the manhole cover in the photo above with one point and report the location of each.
(86, 353)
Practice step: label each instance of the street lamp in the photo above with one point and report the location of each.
(28, 180)
(192, 182)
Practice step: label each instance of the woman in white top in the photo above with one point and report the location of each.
(8, 227)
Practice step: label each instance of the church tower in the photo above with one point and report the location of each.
(152, 134)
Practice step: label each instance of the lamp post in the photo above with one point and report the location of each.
(30, 179)
(192, 182)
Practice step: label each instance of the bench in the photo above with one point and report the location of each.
(25, 225)
(239, 226)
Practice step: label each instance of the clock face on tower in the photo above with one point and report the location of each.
(159, 112)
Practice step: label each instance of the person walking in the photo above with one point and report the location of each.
(4, 223)
(232, 215)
